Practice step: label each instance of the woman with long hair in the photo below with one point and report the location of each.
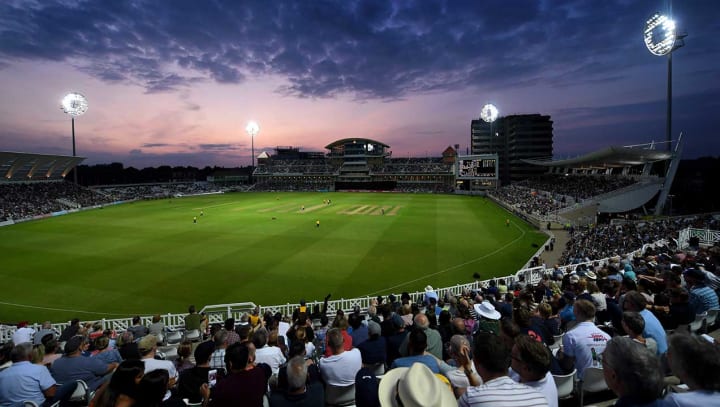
(184, 351)
(122, 390)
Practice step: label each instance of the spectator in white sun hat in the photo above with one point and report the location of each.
(414, 386)
(488, 318)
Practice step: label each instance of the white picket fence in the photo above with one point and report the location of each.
(706, 237)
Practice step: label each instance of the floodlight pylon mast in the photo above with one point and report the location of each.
(252, 129)
(75, 176)
(668, 119)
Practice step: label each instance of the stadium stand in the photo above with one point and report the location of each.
(26, 200)
(652, 272)
(665, 271)
(352, 164)
(32, 167)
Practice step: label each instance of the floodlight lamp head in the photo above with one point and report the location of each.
(660, 34)
(252, 128)
(74, 104)
(489, 113)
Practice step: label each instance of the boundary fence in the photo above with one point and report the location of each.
(217, 313)
(705, 237)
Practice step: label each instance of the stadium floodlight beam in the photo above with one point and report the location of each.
(252, 130)
(74, 104)
(662, 38)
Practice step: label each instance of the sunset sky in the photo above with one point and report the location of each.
(176, 81)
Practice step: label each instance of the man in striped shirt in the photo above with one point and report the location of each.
(492, 360)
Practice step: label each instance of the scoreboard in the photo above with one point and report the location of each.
(479, 167)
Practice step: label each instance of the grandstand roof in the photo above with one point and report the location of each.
(354, 140)
(609, 157)
(25, 166)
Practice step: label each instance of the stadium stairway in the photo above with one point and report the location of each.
(553, 257)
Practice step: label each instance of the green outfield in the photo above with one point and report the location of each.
(149, 257)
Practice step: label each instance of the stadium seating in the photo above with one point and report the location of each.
(711, 319)
(378, 369)
(168, 352)
(339, 396)
(26, 200)
(565, 384)
(193, 335)
(173, 337)
(81, 394)
(699, 324)
(558, 341)
(593, 382)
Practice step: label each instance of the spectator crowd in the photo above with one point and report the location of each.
(501, 345)
(578, 187)
(20, 200)
(545, 195)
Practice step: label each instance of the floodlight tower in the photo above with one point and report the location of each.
(74, 104)
(662, 38)
(252, 130)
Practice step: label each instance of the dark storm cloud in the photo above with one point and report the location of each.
(219, 147)
(144, 159)
(369, 49)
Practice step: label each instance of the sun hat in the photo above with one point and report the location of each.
(414, 386)
(591, 275)
(487, 310)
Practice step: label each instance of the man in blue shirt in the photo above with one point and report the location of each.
(634, 301)
(73, 366)
(417, 344)
(373, 350)
(702, 297)
(24, 381)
